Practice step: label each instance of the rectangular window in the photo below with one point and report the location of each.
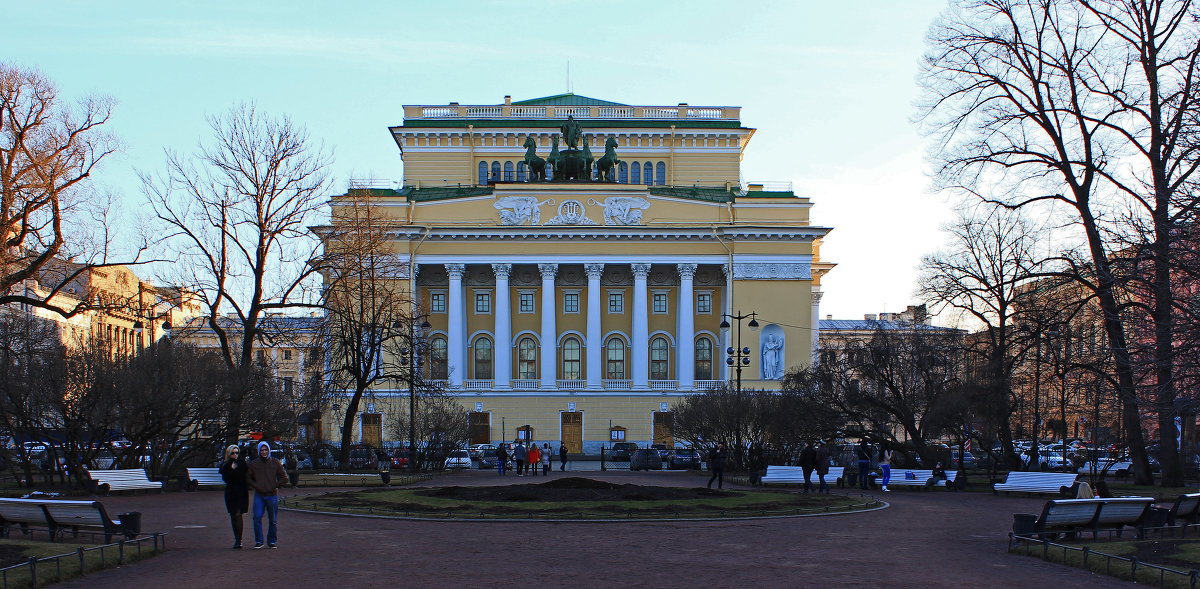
(570, 302)
(616, 435)
(704, 302)
(483, 302)
(658, 302)
(437, 302)
(616, 302)
(525, 302)
(287, 354)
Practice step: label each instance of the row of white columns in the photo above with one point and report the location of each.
(639, 362)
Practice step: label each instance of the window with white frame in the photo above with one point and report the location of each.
(483, 302)
(704, 302)
(570, 302)
(526, 302)
(437, 302)
(616, 302)
(658, 302)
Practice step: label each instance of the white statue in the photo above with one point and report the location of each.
(772, 357)
(520, 210)
(623, 210)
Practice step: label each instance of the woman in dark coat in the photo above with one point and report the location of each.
(237, 492)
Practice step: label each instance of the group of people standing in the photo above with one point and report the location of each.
(815, 458)
(265, 474)
(526, 459)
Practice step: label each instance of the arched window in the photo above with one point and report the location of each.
(648, 174)
(660, 174)
(614, 352)
(508, 171)
(495, 172)
(520, 171)
(635, 173)
(659, 352)
(483, 176)
(527, 358)
(570, 359)
(703, 359)
(437, 359)
(623, 173)
(483, 358)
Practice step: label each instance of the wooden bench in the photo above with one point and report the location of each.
(921, 478)
(85, 515)
(129, 479)
(795, 475)
(1035, 482)
(22, 513)
(1072, 516)
(207, 477)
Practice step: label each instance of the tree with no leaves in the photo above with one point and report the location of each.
(237, 213)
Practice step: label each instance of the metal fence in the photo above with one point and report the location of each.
(16, 574)
(1139, 572)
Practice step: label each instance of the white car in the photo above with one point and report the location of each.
(458, 459)
(474, 450)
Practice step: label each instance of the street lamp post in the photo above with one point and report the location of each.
(738, 357)
(411, 358)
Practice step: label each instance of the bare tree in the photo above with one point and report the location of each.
(441, 425)
(237, 212)
(1087, 104)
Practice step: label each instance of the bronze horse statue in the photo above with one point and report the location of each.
(587, 161)
(553, 158)
(536, 165)
(607, 165)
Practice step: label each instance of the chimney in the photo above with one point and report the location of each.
(869, 316)
(507, 100)
(829, 317)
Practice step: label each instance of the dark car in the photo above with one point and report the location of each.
(683, 458)
(662, 450)
(645, 459)
(487, 458)
(363, 458)
(621, 451)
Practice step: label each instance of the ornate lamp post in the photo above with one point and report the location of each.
(410, 357)
(738, 357)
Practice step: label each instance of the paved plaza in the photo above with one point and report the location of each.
(923, 539)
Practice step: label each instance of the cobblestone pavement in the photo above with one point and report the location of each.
(923, 539)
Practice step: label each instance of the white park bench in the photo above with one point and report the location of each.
(204, 477)
(795, 475)
(911, 477)
(22, 513)
(85, 515)
(1072, 516)
(128, 479)
(1035, 482)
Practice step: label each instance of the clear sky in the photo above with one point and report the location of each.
(830, 88)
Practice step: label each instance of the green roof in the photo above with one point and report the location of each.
(769, 194)
(443, 192)
(585, 123)
(568, 99)
(694, 192)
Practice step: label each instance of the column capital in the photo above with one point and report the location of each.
(725, 270)
(594, 270)
(816, 297)
(549, 271)
(456, 270)
(686, 270)
(641, 270)
(502, 270)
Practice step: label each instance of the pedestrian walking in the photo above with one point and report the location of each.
(808, 463)
(562, 457)
(716, 461)
(520, 454)
(501, 458)
(546, 453)
(535, 459)
(265, 475)
(237, 493)
(822, 466)
(885, 465)
(864, 463)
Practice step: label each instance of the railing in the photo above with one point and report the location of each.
(439, 112)
(30, 567)
(573, 384)
(780, 186)
(456, 111)
(526, 384)
(529, 112)
(664, 385)
(616, 112)
(478, 384)
(705, 385)
(705, 113)
(579, 112)
(618, 385)
(1190, 577)
(440, 383)
(660, 113)
(484, 111)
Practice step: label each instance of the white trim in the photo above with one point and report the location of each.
(491, 300)
(607, 298)
(578, 301)
(696, 302)
(527, 291)
(666, 293)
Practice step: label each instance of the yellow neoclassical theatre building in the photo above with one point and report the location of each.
(579, 297)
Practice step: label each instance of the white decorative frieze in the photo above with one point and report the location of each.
(520, 210)
(772, 271)
(622, 210)
(571, 212)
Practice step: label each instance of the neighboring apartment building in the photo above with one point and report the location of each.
(580, 310)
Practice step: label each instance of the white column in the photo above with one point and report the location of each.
(595, 338)
(641, 329)
(502, 369)
(549, 336)
(685, 336)
(816, 325)
(456, 330)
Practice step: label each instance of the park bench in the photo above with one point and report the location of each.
(1186, 508)
(795, 474)
(129, 479)
(921, 478)
(22, 513)
(1118, 512)
(204, 477)
(1072, 516)
(1035, 482)
(89, 516)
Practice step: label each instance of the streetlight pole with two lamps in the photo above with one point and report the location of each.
(737, 357)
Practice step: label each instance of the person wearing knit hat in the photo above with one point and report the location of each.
(265, 474)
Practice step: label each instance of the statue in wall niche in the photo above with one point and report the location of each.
(623, 210)
(536, 165)
(608, 163)
(772, 357)
(520, 210)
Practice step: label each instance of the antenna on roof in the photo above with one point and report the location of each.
(568, 76)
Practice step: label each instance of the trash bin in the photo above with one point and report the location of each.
(1024, 524)
(132, 523)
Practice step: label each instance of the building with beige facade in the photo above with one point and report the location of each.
(581, 310)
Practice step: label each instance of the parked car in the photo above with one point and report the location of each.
(645, 459)
(363, 458)
(487, 458)
(458, 459)
(104, 460)
(474, 449)
(662, 450)
(683, 458)
(400, 458)
(621, 451)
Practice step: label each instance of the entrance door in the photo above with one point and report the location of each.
(481, 427)
(664, 424)
(572, 431)
(372, 429)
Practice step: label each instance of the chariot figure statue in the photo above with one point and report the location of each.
(571, 131)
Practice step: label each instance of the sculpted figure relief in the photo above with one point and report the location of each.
(772, 357)
(520, 210)
(623, 210)
(571, 131)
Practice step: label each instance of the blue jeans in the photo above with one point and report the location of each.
(500, 467)
(269, 504)
(887, 473)
(864, 469)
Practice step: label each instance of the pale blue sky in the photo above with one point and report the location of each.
(830, 89)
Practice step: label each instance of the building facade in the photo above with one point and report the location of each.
(580, 308)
